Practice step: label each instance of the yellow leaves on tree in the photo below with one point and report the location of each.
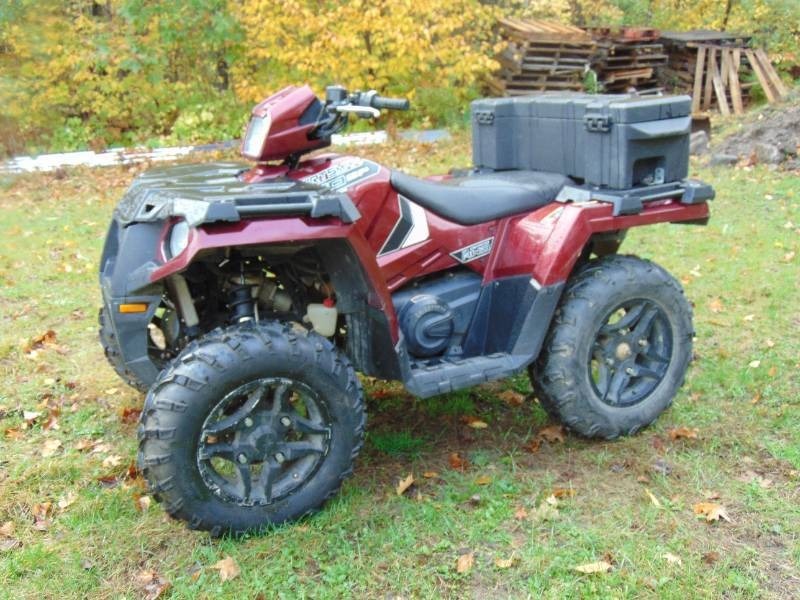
(396, 47)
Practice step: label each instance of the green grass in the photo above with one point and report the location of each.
(368, 542)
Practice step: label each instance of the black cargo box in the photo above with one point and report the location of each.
(614, 141)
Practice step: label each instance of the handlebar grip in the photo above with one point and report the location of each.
(389, 103)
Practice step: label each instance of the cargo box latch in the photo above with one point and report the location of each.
(597, 123)
(484, 117)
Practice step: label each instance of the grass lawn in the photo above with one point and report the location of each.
(525, 518)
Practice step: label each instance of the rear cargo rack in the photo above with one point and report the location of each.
(631, 201)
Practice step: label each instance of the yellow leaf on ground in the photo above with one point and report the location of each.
(404, 484)
(600, 566)
(50, 447)
(715, 305)
(563, 492)
(152, 583)
(504, 563)
(430, 474)
(228, 569)
(711, 511)
(483, 480)
(465, 562)
(67, 501)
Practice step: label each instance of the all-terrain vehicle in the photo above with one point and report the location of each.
(245, 298)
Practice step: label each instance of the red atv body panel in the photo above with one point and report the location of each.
(544, 244)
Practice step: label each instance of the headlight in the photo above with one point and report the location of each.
(178, 239)
(257, 132)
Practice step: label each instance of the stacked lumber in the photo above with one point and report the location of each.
(541, 56)
(717, 69)
(628, 58)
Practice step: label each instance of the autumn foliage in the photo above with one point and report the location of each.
(89, 74)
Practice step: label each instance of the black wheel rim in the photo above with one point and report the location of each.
(631, 353)
(263, 441)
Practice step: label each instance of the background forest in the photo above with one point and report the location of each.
(84, 74)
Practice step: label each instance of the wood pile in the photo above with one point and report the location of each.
(542, 56)
(718, 69)
(628, 58)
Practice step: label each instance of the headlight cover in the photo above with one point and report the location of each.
(257, 132)
(178, 239)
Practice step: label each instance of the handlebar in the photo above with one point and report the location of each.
(389, 103)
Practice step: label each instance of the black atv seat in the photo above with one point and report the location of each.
(482, 197)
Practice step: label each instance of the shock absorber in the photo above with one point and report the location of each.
(241, 302)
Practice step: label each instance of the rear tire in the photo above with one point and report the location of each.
(618, 349)
(251, 426)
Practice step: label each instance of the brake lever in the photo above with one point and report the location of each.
(366, 112)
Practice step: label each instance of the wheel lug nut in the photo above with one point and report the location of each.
(630, 371)
(286, 421)
(248, 422)
(643, 343)
(242, 459)
(280, 457)
(610, 362)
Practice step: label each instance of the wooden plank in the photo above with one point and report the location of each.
(724, 66)
(770, 72)
(708, 91)
(733, 79)
(762, 78)
(719, 89)
(698, 79)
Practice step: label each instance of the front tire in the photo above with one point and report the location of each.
(618, 349)
(251, 426)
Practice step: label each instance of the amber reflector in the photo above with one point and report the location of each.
(138, 307)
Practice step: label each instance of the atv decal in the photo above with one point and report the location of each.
(473, 251)
(343, 173)
(411, 228)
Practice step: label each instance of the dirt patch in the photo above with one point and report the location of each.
(771, 137)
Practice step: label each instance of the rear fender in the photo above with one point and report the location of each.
(547, 243)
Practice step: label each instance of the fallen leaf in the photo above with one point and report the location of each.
(108, 481)
(228, 569)
(772, 371)
(595, 567)
(749, 318)
(483, 480)
(789, 256)
(552, 434)
(48, 338)
(715, 305)
(504, 563)
(457, 462)
(677, 433)
(655, 501)
(474, 500)
(711, 511)
(551, 500)
(30, 416)
(404, 484)
(152, 584)
(86, 444)
(711, 557)
(50, 447)
(51, 423)
(7, 529)
(520, 514)
(130, 415)
(112, 461)
(66, 501)
(142, 503)
(754, 364)
(769, 344)
(673, 559)
(563, 492)
(474, 422)
(533, 446)
(465, 562)
(511, 397)
(41, 513)
(12, 433)
(546, 512)
(430, 474)
(9, 544)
